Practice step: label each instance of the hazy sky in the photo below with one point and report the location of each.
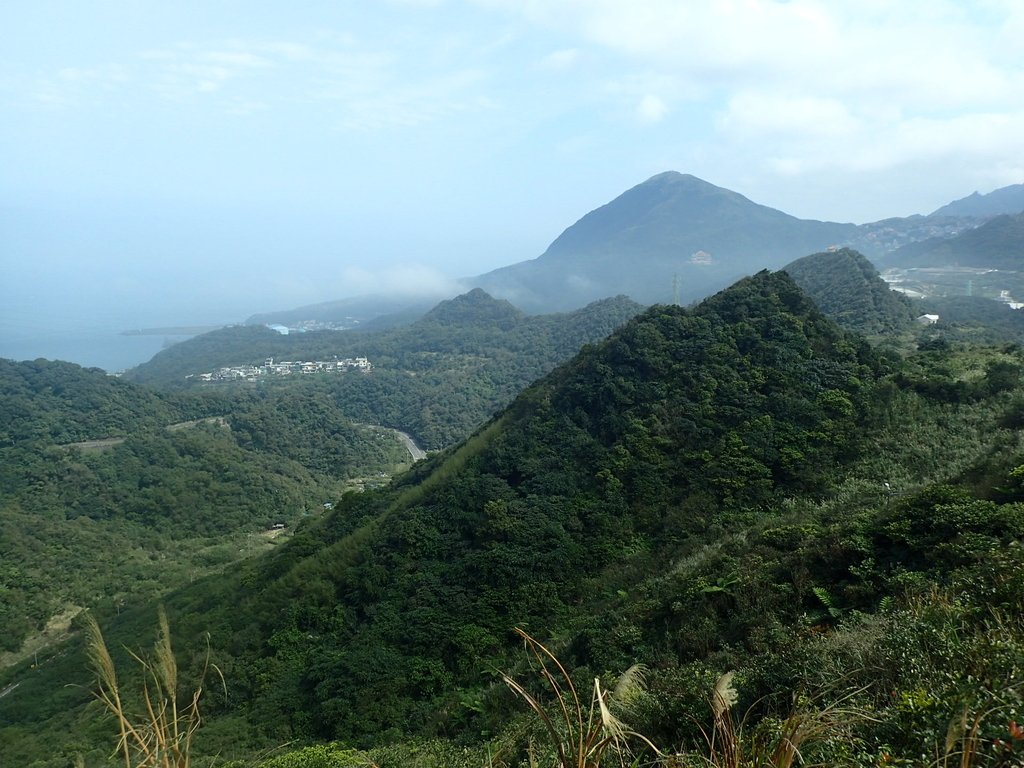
(200, 160)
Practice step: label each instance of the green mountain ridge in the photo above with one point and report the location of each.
(738, 486)
(847, 288)
(476, 307)
(437, 378)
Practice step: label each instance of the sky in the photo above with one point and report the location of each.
(198, 161)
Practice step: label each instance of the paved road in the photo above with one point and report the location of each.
(415, 451)
(8, 689)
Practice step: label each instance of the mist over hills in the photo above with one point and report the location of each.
(352, 312)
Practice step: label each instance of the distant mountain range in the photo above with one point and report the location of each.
(1001, 201)
(996, 244)
(353, 312)
(672, 238)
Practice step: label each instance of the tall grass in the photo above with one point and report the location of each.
(580, 735)
(774, 743)
(584, 734)
(157, 733)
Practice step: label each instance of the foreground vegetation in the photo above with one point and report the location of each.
(811, 547)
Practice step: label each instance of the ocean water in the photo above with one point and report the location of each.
(92, 348)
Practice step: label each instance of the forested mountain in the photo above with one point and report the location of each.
(847, 288)
(738, 486)
(1006, 200)
(437, 379)
(111, 494)
(996, 244)
(62, 402)
(670, 227)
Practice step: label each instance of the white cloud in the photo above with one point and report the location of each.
(759, 114)
(651, 109)
(813, 86)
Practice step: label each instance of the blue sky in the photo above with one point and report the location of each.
(201, 160)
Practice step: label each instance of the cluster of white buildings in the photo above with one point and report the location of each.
(285, 368)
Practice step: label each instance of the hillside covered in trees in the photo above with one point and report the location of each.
(739, 487)
(847, 287)
(438, 378)
(111, 493)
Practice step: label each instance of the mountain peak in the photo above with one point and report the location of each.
(676, 182)
(476, 306)
(1005, 200)
(671, 237)
(849, 290)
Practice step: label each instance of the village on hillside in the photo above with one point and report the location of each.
(284, 368)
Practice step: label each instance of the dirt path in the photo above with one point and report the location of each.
(110, 442)
(95, 445)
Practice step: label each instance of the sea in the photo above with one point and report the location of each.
(102, 348)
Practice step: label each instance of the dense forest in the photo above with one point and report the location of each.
(846, 287)
(438, 378)
(739, 487)
(111, 493)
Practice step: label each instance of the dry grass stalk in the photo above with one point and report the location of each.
(581, 736)
(160, 737)
(778, 747)
(965, 732)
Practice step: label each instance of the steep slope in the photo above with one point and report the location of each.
(847, 288)
(996, 244)
(680, 421)
(1006, 200)
(671, 227)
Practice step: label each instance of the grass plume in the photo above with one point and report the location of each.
(160, 735)
(581, 735)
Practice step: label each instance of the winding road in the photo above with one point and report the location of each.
(415, 451)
